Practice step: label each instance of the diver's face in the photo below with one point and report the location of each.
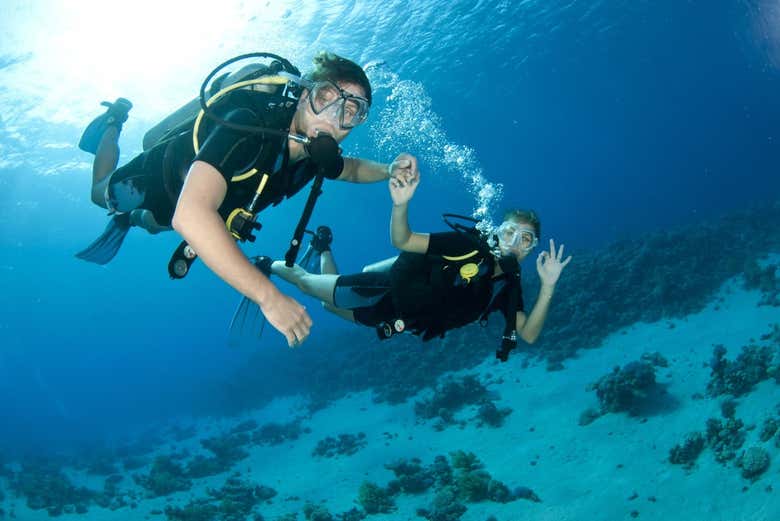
(516, 238)
(308, 123)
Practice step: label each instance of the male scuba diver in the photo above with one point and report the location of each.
(264, 133)
(440, 281)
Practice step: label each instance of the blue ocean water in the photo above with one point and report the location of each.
(610, 119)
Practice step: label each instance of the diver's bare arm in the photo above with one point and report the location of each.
(402, 236)
(365, 171)
(198, 221)
(530, 328)
(358, 170)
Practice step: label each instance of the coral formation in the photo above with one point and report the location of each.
(445, 506)
(489, 414)
(46, 487)
(626, 389)
(763, 279)
(344, 445)
(450, 396)
(165, 477)
(375, 499)
(277, 433)
(228, 447)
(738, 377)
(526, 493)
(655, 358)
(411, 476)
(234, 501)
(769, 429)
(754, 462)
(687, 453)
(314, 512)
(725, 438)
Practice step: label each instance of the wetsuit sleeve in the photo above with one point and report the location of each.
(451, 244)
(232, 151)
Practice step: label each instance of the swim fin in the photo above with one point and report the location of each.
(114, 116)
(320, 243)
(245, 318)
(105, 247)
(248, 313)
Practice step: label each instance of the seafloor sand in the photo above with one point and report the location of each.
(580, 473)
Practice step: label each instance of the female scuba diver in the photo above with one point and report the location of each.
(440, 281)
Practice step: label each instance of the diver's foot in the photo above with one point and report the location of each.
(322, 239)
(115, 116)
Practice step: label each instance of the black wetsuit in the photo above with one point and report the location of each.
(153, 180)
(427, 290)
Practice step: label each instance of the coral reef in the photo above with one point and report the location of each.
(201, 466)
(738, 377)
(725, 438)
(46, 487)
(687, 453)
(763, 279)
(411, 476)
(754, 462)
(453, 394)
(375, 499)
(527, 494)
(353, 514)
(655, 358)
(489, 414)
(165, 477)
(626, 389)
(244, 426)
(228, 447)
(344, 445)
(277, 433)
(195, 510)
(314, 512)
(769, 429)
(445, 506)
(234, 501)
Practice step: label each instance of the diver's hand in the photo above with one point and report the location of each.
(288, 317)
(402, 188)
(405, 165)
(549, 265)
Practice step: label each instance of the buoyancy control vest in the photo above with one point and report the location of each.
(433, 294)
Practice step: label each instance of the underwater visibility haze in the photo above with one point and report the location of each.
(644, 134)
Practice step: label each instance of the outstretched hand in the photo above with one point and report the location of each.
(288, 317)
(404, 165)
(549, 265)
(404, 183)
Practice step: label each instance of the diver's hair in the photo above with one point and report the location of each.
(331, 67)
(525, 216)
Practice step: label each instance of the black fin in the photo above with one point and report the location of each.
(105, 247)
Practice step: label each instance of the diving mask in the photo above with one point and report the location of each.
(328, 99)
(515, 236)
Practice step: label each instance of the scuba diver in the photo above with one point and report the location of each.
(258, 136)
(440, 281)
